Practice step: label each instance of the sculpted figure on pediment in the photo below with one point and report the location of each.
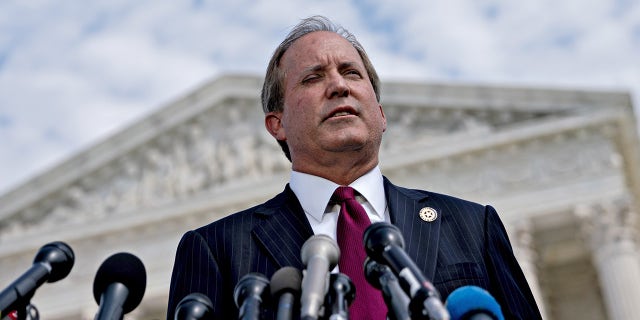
(227, 163)
(246, 155)
(201, 154)
(182, 172)
(122, 189)
(155, 168)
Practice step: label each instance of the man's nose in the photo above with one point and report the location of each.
(338, 87)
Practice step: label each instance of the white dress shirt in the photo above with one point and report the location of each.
(315, 192)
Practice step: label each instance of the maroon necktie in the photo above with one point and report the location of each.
(352, 222)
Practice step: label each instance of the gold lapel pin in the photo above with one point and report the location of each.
(428, 214)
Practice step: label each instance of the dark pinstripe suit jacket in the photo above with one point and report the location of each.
(466, 245)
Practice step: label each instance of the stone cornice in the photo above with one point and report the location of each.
(501, 98)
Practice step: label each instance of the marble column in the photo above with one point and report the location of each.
(522, 242)
(611, 233)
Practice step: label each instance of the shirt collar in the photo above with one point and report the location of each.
(314, 192)
(371, 187)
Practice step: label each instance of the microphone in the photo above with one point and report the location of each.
(473, 303)
(341, 294)
(384, 244)
(381, 277)
(119, 285)
(285, 288)
(52, 263)
(248, 295)
(320, 254)
(194, 306)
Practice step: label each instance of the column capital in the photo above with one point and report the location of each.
(609, 223)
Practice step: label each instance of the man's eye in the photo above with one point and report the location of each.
(352, 73)
(310, 78)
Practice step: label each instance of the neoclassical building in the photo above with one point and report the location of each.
(561, 166)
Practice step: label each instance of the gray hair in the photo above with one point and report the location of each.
(272, 95)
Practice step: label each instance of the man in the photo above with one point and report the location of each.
(321, 102)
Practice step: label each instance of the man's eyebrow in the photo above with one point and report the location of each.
(348, 64)
(314, 68)
(321, 67)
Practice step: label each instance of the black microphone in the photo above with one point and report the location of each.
(381, 277)
(320, 254)
(341, 294)
(195, 306)
(384, 244)
(119, 285)
(473, 303)
(285, 288)
(249, 294)
(52, 263)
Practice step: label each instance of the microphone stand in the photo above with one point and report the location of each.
(26, 312)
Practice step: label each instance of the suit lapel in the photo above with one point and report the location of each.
(283, 229)
(421, 237)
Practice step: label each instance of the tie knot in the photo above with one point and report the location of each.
(342, 194)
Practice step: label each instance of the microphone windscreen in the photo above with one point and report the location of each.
(379, 236)
(286, 279)
(469, 300)
(126, 269)
(59, 256)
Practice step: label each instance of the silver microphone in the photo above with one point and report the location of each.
(320, 255)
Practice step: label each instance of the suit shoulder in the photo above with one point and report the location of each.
(229, 222)
(421, 195)
(435, 196)
(243, 219)
(453, 199)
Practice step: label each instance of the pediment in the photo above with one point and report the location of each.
(215, 136)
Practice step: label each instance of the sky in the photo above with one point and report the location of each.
(72, 73)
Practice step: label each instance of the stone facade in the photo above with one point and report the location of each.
(561, 167)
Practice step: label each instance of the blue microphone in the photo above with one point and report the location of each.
(473, 303)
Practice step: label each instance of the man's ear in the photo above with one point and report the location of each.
(273, 123)
(384, 119)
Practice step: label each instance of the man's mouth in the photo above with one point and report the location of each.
(341, 112)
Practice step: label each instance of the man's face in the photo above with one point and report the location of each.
(329, 104)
